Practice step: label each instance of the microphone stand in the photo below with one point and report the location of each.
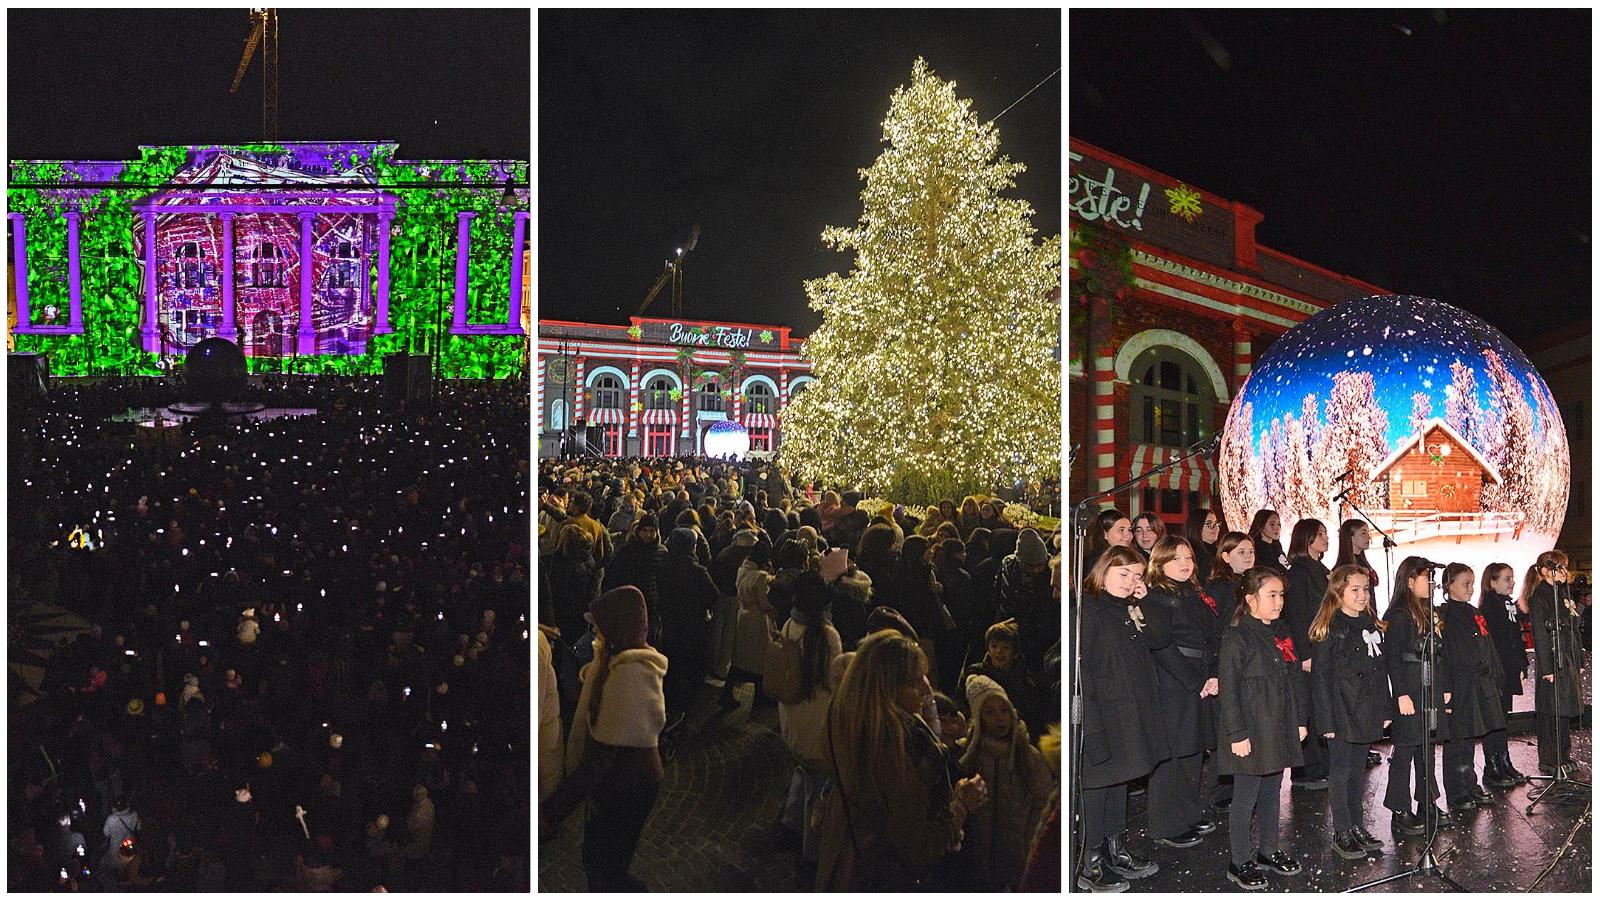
(1562, 787)
(1388, 542)
(1080, 525)
(1427, 863)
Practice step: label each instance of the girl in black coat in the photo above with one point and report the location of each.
(1556, 689)
(1203, 529)
(1308, 584)
(1185, 678)
(1148, 530)
(1355, 536)
(1500, 613)
(1261, 721)
(1350, 699)
(1112, 529)
(1265, 530)
(1403, 652)
(1236, 555)
(1123, 737)
(1475, 683)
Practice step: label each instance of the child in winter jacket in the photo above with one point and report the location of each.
(1002, 663)
(1019, 783)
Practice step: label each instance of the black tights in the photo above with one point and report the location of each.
(1402, 764)
(1347, 766)
(1254, 796)
(1105, 814)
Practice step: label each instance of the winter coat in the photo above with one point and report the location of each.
(687, 595)
(639, 564)
(1561, 697)
(1225, 592)
(1123, 734)
(550, 761)
(1183, 665)
(1505, 630)
(1019, 782)
(918, 601)
(1270, 554)
(1259, 697)
(1205, 556)
(1029, 598)
(1349, 684)
(803, 725)
(900, 813)
(118, 827)
(617, 749)
(1302, 597)
(574, 586)
(1403, 652)
(1475, 674)
(753, 631)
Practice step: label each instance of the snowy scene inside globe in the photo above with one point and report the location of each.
(1438, 426)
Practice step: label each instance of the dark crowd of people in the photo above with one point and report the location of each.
(288, 653)
(1215, 661)
(913, 656)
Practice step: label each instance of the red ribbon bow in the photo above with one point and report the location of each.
(1286, 647)
(1211, 603)
(1483, 627)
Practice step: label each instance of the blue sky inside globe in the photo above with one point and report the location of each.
(1406, 343)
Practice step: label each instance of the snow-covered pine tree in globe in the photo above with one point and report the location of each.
(935, 367)
(1421, 411)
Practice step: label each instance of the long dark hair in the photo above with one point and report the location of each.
(812, 597)
(1194, 527)
(1416, 607)
(1250, 583)
(1263, 516)
(1490, 573)
(1102, 524)
(1305, 531)
(1347, 553)
(1531, 581)
(1221, 568)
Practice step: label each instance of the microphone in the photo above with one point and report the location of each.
(1432, 565)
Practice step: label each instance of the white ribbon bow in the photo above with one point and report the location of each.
(1511, 609)
(1136, 615)
(1373, 639)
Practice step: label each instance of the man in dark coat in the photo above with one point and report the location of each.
(688, 595)
(1474, 700)
(639, 562)
(1557, 693)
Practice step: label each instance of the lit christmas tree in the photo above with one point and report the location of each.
(935, 364)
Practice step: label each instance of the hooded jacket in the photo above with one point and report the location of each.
(753, 630)
(1019, 782)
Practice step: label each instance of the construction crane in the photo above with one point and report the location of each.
(673, 273)
(265, 33)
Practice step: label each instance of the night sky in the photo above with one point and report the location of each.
(96, 84)
(1439, 154)
(753, 125)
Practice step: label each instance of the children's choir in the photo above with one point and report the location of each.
(1214, 681)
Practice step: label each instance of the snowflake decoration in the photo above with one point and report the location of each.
(635, 332)
(766, 337)
(1185, 202)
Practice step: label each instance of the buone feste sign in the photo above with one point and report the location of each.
(710, 336)
(1107, 193)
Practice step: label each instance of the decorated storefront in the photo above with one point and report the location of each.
(313, 257)
(1172, 298)
(657, 387)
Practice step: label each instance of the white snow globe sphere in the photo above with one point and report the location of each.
(727, 439)
(1415, 413)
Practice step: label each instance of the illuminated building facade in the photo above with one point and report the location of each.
(656, 386)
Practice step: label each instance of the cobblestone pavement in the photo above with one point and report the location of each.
(714, 826)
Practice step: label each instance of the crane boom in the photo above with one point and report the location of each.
(263, 33)
(672, 274)
(249, 53)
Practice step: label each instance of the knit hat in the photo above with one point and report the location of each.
(621, 617)
(834, 564)
(745, 509)
(885, 617)
(1031, 549)
(979, 689)
(682, 541)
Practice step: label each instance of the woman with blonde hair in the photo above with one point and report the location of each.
(893, 812)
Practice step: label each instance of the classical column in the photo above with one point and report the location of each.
(151, 330)
(1241, 355)
(519, 235)
(463, 249)
(306, 331)
(229, 330)
(381, 323)
(19, 268)
(74, 274)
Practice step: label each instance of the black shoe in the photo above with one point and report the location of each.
(1374, 758)
(1406, 823)
(1367, 839)
(1247, 876)
(1441, 819)
(1481, 796)
(1509, 770)
(1311, 784)
(1097, 877)
(1222, 804)
(1279, 863)
(1465, 804)
(1181, 841)
(1123, 862)
(1203, 827)
(1495, 774)
(1347, 845)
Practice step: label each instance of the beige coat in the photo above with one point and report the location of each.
(753, 631)
(804, 724)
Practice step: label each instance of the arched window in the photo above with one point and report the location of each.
(191, 265)
(710, 393)
(342, 274)
(658, 393)
(558, 415)
(268, 267)
(1172, 400)
(758, 398)
(796, 390)
(607, 392)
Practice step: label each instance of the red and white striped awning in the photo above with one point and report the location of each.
(660, 417)
(1194, 474)
(605, 416)
(760, 420)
